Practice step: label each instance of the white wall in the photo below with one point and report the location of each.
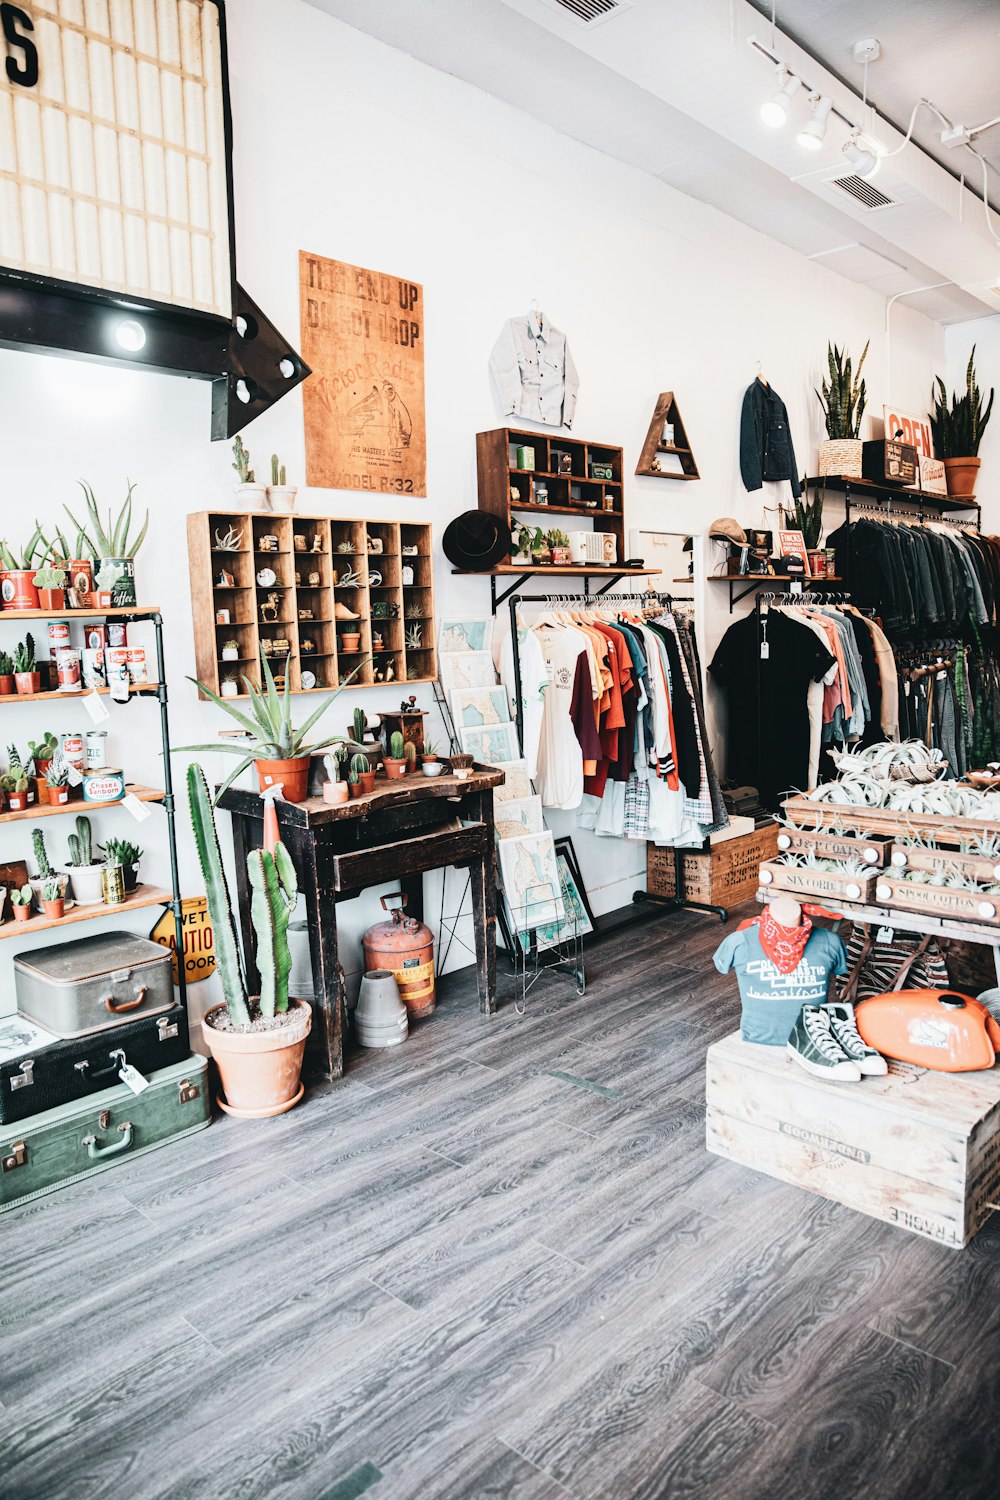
(959, 339)
(349, 149)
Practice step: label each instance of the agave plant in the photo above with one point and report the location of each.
(843, 397)
(19, 562)
(958, 429)
(268, 724)
(111, 540)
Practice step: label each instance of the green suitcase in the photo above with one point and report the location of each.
(59, 1146)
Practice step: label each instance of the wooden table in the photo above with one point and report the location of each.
(396, 833)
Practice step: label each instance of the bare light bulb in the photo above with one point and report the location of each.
(130, 335)
(813, 132)
(774, 111)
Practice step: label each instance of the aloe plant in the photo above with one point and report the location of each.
(19, 562)
(274, 891)
(268, 723)
(843, 397)
(220, 905)
(112, 539)
(958, 429)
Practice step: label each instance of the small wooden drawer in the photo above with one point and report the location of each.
(810, 885)
(873, 850)
(410, 856)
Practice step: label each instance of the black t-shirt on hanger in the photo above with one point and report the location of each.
(774, 757)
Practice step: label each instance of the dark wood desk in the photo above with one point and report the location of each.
(398, 832)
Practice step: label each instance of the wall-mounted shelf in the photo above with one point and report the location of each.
(872, 490)
(585, 572)
(667, 410)
(757, 581)
(143, 895)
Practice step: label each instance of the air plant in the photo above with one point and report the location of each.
(413, 638)
(229, 541)
(349, 579)
(111, 539)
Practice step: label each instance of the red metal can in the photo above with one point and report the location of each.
(405, 946)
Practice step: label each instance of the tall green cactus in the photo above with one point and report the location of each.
(220, 905)
(40, 853)
(274, 886)
(80, 846)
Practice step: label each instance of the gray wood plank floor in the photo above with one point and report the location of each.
(497, 1261)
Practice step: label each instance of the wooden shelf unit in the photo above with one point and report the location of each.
(667, 410)
(496, 463)
(308, 581)
(143, 895)
(870, 489)
(76, 805)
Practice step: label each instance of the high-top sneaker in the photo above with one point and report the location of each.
(844, 1027)
(814, 1046)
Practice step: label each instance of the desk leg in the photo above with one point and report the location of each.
(412, 887)
(243, 842)
(484, 910)
(325, 1048)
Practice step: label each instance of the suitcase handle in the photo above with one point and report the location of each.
(117, 1006)
(94, 1151)
(84, 1068)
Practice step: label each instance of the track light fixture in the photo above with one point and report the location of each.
(813, 132)
(774, 111)
(864, 161)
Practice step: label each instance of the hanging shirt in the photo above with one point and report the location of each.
(534, 371)
(560, 759)
(771, 1000)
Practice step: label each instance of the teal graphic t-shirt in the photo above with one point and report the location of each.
(772, 1000)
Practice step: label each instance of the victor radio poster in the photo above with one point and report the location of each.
(363, 336)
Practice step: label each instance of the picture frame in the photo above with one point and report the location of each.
(578, 920)
(517, 816)
(466, 669)
(494, 745)
(516, 784)
(471, 634)
(222, 617)
(531, 883)
(475, 708)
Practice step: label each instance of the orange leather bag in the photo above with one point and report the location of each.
(938, 1029)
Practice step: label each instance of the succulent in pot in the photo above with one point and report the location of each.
(429, 762)
(45, 870)
(57, 783)
(14, 785)
(20, 900)
(273, 744)
(53, 900)
(280, 493)
(958, 430)
(83, 870)
(350, 640)
(250, 493)
(394, 760)
(257, 1041)
(335, 788)
(559, 548)
(126, 854)
(229, 687)
(7, 684)
(51, 585)
(27, 678)
(361, 777)
(112, 547)
(17, 569)
(42, 753)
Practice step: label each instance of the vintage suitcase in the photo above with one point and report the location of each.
(63, 1145)
(41, 1071)
(74, 988)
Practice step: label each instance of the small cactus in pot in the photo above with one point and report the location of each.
(361, 777)
(280, 493)
(394, 760)
(20, 900)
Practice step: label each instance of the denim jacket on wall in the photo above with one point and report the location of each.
(534, 371)
(766, 450)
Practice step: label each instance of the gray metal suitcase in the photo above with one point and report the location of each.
(74, 988)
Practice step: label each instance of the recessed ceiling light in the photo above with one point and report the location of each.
(130, 335)
(813, 132)
(774, 111)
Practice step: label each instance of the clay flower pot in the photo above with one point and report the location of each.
(54, 909)
(393, 768)
(364, 786)
(260, 1070)
(960, 475)
(7, 685)
(350, 642)
(52, 599)
(22, 913)
(293, 775)
(335, 791)
(28, 682)
(58, 795)
(17, 801)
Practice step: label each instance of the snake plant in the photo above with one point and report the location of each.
(958, 429)
(843, 396)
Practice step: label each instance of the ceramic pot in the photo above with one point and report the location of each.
(52, 599)
(22, 913)
(335, 791)
(28, 682)
(380, 1019)
(293, 775)
(7, 685)
(58, 795)
(432, 767)
(252, 496)
(130, 876)
(393, 768)
(960, 475)
(17, 801)
(85, 884)
(282, 497)
(260, 1070)
(17, 589)
(122, 592)
(53, 909)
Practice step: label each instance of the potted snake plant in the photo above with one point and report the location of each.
(257, 1041)
(958, 430)
(843, 398)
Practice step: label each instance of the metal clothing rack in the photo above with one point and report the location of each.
(678, 901)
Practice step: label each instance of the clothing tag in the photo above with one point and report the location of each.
(794, 586)
(132, 1078)
(906, 688)
(74, 776)
(941, 676)
(884, 935)
(96, 708)
(139, 810)
(765, 650)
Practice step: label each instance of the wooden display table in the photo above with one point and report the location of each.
(400, 830)
(918, 1149)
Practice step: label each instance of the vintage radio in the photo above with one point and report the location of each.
(598, 547)
(889, 462)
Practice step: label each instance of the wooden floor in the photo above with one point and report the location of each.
(494, 1262)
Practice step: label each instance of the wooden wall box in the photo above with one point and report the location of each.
(568, 491)
(294, 617)
(917, 1149)
(723, 875)
(660, 460)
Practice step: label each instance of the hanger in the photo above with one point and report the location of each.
(761, 377)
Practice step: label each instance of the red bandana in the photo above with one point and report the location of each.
(784, 946)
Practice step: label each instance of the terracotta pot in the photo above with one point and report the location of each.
(58, 795)
(293, 775)
(350, 642)
(28, 682)
(17, 801)
(52, 599)
(22, 913)
(960, 474)
(53, 909)
(7, 686)
(335, 791)
(17, 589)
(260, 1070)
(393, 768)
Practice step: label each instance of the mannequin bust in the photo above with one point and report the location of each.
(787, 912)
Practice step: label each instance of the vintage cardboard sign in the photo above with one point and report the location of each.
(932, 476)
(363, 336)
(199, 939)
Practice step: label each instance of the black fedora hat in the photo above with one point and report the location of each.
(476, 541)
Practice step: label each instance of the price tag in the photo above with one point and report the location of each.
(131, 1077)
(765, 650)
(74, 775)
(139, 810)
(885, 935)
(794, 586)
(96, 708)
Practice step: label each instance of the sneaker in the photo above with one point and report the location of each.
(815, 1048)
(844, 1028)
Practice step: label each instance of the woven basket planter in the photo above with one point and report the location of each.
(841, 456)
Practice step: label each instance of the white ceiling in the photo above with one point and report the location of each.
(673, 88)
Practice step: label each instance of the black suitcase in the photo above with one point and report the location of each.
(39, 1071)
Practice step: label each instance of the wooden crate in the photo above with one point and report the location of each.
(874, 850)
(882, 820)
(976, 866)
(917, 1149)
(723, 875)
(938, 901)
(818, 885)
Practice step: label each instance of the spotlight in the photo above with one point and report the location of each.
(130, 335)
(812, 134)
(774, 111)
(864, 161)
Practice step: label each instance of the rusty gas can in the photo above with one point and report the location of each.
(405, 946)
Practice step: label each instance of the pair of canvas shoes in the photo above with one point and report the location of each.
(825, 1041)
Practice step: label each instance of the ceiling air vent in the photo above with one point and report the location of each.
(590, 12)
(863, 191)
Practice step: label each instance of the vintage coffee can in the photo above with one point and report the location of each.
(68, 668)
(95, 636)
(97, 749)
(93, 668)
(117, 633)
(137, 664)
(72, 750)
(113, 885)
(105, 784)
(58, 635)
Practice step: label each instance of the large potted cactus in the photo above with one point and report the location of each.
(257, 1041)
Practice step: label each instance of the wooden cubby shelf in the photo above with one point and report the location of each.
(294, 620)
(666, 410)
(547, 489)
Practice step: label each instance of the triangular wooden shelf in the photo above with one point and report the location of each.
(667, 411)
